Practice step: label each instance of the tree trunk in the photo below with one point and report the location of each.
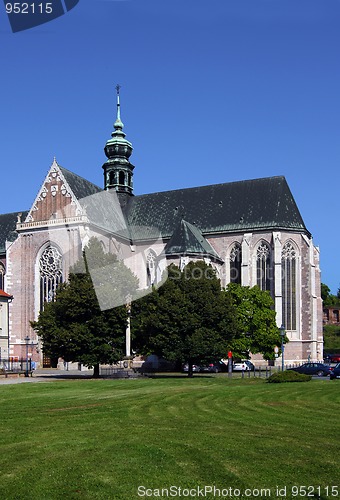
(190, 370)
(96, 371)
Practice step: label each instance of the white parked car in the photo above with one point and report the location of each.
(246, 366)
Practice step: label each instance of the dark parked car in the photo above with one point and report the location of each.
(216, 367)
(319, 369)
(335, 373)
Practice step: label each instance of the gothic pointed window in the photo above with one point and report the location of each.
(235, 264)
(50, 269)
(288, 263)
(2, 276)
(150, 268)
(263, 266)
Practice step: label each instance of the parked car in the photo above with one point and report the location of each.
(332, 358)
(195, 368)
(216, 367)
(319, 369)
(245, 365)
(155, 363)
(335, 372)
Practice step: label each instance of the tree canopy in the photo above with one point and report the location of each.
(328, 298)
(183, 320)
(255, 317)
(76, 326)
(190, 319)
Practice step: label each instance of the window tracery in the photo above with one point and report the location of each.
(50, 270)
(150, 268)
(235, 263)
(263, 266)
(288, 263)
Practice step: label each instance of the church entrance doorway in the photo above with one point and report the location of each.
(49, 362)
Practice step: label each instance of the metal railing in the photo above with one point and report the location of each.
(15, 364)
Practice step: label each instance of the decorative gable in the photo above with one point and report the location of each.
(55, 199)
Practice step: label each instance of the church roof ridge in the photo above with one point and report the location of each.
(273, 177)
(241, 206)
(17, 212)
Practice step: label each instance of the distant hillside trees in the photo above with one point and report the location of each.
(329, 299)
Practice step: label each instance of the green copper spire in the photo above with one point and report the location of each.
(118, 123)
(118, 171)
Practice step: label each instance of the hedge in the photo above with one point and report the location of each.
(288, 376)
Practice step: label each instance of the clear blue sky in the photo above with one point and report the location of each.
(212, 91)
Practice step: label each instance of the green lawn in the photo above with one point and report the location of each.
(101, 439)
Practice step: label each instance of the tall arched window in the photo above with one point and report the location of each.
(2, 276)
(288, 263)
(263, 266)
(121, 178)
(235, 264)
(150, 268)
(112, 178)
(51, 275)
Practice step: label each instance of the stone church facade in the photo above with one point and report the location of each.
(251, 232)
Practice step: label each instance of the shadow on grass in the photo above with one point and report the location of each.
(65, 376)
(177, 375)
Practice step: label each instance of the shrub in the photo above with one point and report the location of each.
(288, 376)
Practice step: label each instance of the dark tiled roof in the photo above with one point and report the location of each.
(7, 226)
(188, 240)
(251, 205)
(80, 186)
(244, 206)
(104, 211)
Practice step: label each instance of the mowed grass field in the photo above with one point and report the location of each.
(102, 439)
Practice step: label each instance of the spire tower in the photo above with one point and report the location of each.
(118, 171)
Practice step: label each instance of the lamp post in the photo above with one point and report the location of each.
(283, 334)
(128, 327)
(27, 340)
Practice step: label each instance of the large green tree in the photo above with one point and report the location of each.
(255, 317)
(189, 318)
(76, 326)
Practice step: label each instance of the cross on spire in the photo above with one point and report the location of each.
(118, 121)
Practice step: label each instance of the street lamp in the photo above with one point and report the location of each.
(27, 340)
(283, 334)
(128, 327)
